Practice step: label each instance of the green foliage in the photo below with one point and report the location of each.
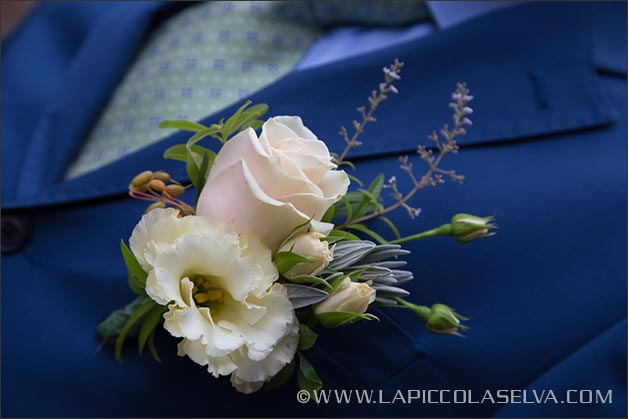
(307, 337)
(136, 275)
(242, 119)
(361, 203)
(151, 321)
(307, 378)
(286, 260)
(182, 125)
(338, 235)
(138, 315)
(281, 377)
(296, 231)
(114, 323)
(180, 151)
(341, 318)
(199, 160)
(363, 229)
(314, 280)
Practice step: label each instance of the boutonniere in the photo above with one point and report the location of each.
(276, 245)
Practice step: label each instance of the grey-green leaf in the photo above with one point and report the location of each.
(302, 296)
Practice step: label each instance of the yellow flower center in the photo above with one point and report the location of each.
(205, 294)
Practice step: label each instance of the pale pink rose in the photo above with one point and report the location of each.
(263, 187)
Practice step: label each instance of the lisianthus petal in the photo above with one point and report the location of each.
(264, 334)
(261, 370)
(246, 387)
(217, 366)
(142, 233)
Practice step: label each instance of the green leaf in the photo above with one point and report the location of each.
(135, 317)
(347, 163)
(281, 377)
(114, 323)
(243, 119)
(151, 321)
(336, 282)
(376, 186)
(307, 378)
(342, 318)
(182, 125)
(339, 235)
(180, 151)
(362, 228)
(203, 172)
(206, 132)
(356, 180)
(309, 280)
(135, 285)
(307, 337)
(296, 230)
(329, 215)
(152, 348)
(392, 226)
(347, 207)
(286, 260)
(136, 275)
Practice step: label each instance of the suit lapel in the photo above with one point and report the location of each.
(526, 83)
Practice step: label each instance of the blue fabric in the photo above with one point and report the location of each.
(546, 154)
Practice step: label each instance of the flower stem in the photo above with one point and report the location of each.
(444, 230)
(422, 311)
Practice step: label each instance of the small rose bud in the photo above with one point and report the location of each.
(350, 297)
(310, 246)
(141, 179)
(175, 190)
(157, 185)
(163, 176)
(443, 319)
(466, 228)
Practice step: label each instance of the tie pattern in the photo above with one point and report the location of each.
(211, 55)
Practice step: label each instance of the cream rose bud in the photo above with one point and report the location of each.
(350, 297)
(312, 247)
(265, 186)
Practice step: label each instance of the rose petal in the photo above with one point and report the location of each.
(236, 198)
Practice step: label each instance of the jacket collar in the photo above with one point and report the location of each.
(525, 86)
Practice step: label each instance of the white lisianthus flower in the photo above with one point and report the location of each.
(264, 187)
(221, 294)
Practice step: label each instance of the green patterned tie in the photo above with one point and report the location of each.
(211, 55)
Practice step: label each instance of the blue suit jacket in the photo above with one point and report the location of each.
(547, 155)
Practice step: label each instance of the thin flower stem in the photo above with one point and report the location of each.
(433, 176)
(391, 74)
(444, 230)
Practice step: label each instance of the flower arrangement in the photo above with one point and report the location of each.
(275, 245)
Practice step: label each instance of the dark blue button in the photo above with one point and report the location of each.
(16, 231)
